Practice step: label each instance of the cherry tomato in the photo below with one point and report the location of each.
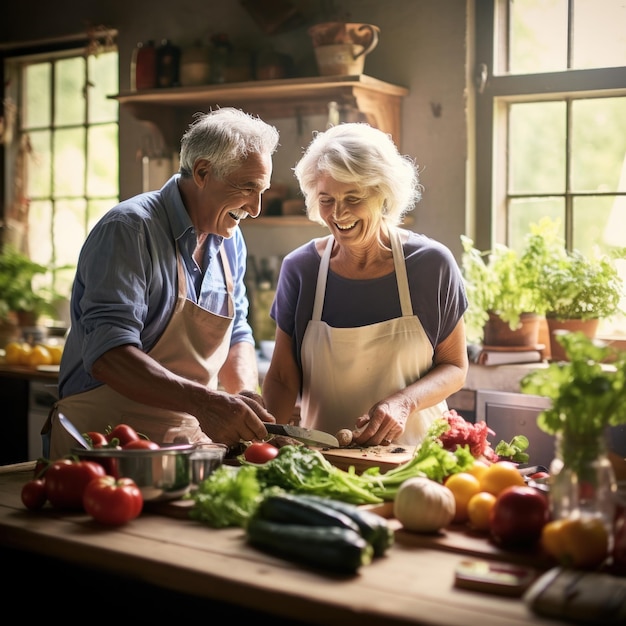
(518, 516)
(34, 494)
(41, 465)
(113, 502)
(97, 439)
(66, 481)
(141, 444)
(123, 433)
(260, 452)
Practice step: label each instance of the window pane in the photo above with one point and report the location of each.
(36, 95)
(103, 76)
(599, 34)
(538, 35)
(537, 147)
(39, 230)
(591, 219)
(102, 177)
(598, 144)
(69, 162)
(524, 212)
(69, 235)
(39, 181)
(68, 93)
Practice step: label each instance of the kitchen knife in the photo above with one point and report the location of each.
(305, 435)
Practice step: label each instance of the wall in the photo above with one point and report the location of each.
(423, 46)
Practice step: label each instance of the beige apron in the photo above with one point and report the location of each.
(347, 370)
(194, 345)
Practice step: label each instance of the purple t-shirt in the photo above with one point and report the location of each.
(435, 282)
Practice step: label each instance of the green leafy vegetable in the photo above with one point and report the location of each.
(228, 497)
(514, 449)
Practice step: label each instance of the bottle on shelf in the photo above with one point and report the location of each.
(168, 64)
(143, 71)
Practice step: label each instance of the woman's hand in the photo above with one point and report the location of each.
(384, 423)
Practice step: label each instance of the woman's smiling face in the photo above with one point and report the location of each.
(352, 213)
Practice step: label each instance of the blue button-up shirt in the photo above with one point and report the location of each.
(126, 284)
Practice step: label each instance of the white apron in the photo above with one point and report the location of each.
(347, 370)
(194, 345)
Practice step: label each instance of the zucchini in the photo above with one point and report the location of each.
(296, 509)
(340, 550)
(373, 527)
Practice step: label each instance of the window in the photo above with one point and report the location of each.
(61, 150)
(551, 120)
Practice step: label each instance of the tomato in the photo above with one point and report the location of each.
(34, 494)
(113, 502)
(260, 452)
(123, 433)
(41, 465)
(97, 439)
(141, 444)
(581, 542)
(518, 516)
(66, 481)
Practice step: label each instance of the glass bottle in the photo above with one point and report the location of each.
(582, 480)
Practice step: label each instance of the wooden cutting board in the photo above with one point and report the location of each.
(384, 457)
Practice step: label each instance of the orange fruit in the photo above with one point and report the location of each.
(499, 476)
(25, 353)
(463, 486)
(479, 508)
(478, 469)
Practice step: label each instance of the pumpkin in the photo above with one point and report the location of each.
(424, 505)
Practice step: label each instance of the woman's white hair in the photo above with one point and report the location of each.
(359, 153)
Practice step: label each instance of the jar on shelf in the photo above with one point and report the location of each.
(168, 64)
(194, 65)
(220, 57)
(143, 72)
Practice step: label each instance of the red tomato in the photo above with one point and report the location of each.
(41, 465)
(123, 433)
(113, 502)
(97, 439)
(518, 516)
(66, 481)
(34, 494)
(141, 444)
(260, 452)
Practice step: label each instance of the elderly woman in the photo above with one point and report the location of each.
(370, 333)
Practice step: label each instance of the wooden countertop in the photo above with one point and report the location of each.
(412, 584)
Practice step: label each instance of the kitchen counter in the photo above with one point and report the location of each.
(412, 584)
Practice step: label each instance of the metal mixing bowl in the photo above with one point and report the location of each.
(163, 474)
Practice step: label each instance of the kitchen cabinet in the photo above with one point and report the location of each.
(170, 110)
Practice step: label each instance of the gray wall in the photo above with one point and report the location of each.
(423, 46)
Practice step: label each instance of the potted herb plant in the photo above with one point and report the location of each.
(20, 301)
(579, 289)
(502, 290)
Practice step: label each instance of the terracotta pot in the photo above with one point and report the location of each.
(556, 326)
(499, 333)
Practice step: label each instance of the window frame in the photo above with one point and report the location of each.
(494, 91)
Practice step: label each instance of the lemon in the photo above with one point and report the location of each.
(13, 353)
(39, 355)
(56, 352)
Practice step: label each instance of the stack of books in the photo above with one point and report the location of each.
(503, 355)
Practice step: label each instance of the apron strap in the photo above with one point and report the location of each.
(322, 273)
(401, 275)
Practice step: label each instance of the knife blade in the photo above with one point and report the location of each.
(306, 435)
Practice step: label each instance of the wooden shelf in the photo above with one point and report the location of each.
(171, 110)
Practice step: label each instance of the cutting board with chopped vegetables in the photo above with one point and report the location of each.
(385, 457)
